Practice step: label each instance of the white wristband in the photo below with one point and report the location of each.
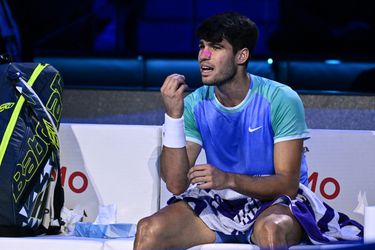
(174, 132)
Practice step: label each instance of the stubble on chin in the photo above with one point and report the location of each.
(207, 82)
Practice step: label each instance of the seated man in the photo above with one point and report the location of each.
(253, 188)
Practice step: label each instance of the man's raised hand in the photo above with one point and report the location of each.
(172, 93)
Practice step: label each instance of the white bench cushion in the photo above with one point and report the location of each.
(121, 164)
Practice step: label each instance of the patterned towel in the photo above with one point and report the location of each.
(231, 213)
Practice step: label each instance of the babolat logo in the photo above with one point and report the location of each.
(39, 143)
(37, 150)
(5, 106)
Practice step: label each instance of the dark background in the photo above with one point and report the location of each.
(302, 29)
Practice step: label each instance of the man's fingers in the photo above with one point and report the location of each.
(174, 81)
(172, 95)
(198, 167)
(179, 76)
(197, 171)
(182, 88)
(199, 180)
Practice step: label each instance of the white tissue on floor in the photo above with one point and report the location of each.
(71, 217)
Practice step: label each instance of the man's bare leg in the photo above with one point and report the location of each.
(276, 228)
(174, 226)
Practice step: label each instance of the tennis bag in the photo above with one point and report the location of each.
(31, 193)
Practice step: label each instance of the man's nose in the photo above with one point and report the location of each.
(206, 53)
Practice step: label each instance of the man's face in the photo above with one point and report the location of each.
(216, 62)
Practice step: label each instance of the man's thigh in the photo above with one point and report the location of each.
(179, 227)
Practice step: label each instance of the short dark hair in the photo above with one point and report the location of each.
(238, 30)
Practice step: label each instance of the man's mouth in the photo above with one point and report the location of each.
(205, 69)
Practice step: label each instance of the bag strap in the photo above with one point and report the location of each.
(16, 111)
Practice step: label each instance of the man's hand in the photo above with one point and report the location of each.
(172, 93)
(207, 176)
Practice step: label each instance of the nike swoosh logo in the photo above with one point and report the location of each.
(251, 130)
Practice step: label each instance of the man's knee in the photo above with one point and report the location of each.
(269, 226)
(148, 232)
(273, 231)
(148, 226)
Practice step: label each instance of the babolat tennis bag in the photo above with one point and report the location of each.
(31, 194)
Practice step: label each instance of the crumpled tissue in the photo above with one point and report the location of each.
(71, 217)
(105, 225)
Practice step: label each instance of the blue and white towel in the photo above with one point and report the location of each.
(231, 213)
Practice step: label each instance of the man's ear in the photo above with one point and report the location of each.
(243, 55)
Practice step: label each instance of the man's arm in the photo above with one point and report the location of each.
(177, 157)
(287, 161)
(175, 164)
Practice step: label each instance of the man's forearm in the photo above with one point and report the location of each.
(287, 161)
(263, 187)
(174, 166)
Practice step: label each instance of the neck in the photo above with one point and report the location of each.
(234, 92)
